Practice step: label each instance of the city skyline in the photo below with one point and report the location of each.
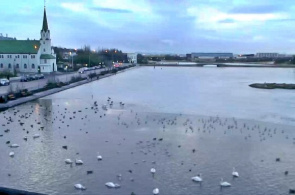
(157, 27)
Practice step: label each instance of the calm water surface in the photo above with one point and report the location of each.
(209, 119)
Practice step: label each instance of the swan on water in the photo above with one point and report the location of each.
(36, 136)
(11, 154)
(224, 183)
(14, 145)
(79, 162)
(112, 185)
(99, 157)
(153, 170)
(79, 187)
(235, 173)
(197, 178)
(156, 191)
(68, 161)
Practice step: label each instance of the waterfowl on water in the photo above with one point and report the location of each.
(153, 170)
(68, 161)
(197, 178)
(235, 173)
(224, 183)
(79, 187)
(99, 157)
(11, 154)
(79, 162)
(156, 191)
(14, 145)
(112, 185)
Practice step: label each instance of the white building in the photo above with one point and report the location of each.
(132, 58)
(267, 55)
(29, 55)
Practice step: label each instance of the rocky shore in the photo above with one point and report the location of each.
(273, 86)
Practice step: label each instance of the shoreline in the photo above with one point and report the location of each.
(219, 65)
(272, 86)
(19, 101)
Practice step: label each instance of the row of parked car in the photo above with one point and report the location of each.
(26, 78)
(82, 70)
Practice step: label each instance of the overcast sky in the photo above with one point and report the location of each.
(165, 26)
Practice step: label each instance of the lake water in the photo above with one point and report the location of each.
(205, 120)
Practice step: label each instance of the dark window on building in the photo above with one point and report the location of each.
(17, 65)
(45, 61)
(25, 66)
(44, 50)
(33, 66)
(1, 65)
(9, 65)
(24, 56)
(32, 56)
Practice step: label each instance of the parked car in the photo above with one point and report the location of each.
(4, 82)
(25, 78)
(40, 76)
(34, 77)
(82, 70)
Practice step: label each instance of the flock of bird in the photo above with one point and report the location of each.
(208, 126)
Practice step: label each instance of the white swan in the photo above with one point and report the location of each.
(156, 191)
(153, 170)
(79, 162)
(68, 161)
(36, 136)
(112, 185)
(79, 187)
(11, 154)
(224, 183)
(14, 145)
(235, 173)
(99, 157)
(197, 178)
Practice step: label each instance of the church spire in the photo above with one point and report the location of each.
(45, 24)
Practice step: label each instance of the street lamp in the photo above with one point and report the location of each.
(72, 60)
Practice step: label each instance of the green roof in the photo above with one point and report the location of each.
(19, 47)
(45, 24)
(47, 56)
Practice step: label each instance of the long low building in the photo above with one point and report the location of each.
(29, 55)
(267, 55)
(211, 55)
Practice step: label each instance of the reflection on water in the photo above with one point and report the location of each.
(149, 132)
(211, 92)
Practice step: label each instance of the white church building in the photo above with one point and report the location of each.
(29, 56)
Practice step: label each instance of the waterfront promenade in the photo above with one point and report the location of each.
(37, 84)
(62, 78)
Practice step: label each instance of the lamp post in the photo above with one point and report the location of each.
(72, 59)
